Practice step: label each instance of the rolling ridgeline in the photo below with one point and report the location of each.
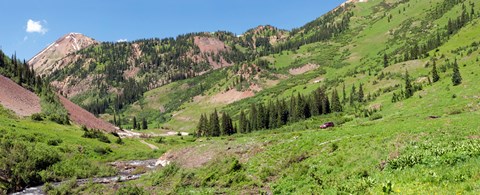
(398, 78)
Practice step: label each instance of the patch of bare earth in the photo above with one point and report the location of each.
(200, 155)
(18, 99)
(82, 117)
(211, 45)
(131, 72)
(303, 69)
(231, 96)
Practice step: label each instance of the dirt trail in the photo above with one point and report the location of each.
(153, 147)
(18, 99)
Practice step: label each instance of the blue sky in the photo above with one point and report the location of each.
(27, 26)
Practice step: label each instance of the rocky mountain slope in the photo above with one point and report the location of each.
(18, 99)
(54, 56)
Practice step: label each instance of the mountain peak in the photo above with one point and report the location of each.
(65, 45)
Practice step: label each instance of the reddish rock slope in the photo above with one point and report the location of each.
(18, 99)
(82, 117)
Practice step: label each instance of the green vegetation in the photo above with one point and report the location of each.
(400, 126)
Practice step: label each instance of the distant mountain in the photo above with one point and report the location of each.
(52, 57)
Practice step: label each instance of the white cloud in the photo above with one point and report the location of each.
(121, 40)
(36, 27)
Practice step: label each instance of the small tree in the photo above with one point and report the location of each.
(214, 124)
(408, 86)
(435, 76)
(336, 105)
(134, 123)
(385, 60)
(360, 94)
(144, 124)
(456, 77)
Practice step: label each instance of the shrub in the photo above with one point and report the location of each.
(37, 117)
(54, 142)
(119, 141)
(102, 150)
(159, 140)
(130, 190)
(375, 116)
(96, 134)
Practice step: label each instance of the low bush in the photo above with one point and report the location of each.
(102, 150)
(54, 142)
(37, 117)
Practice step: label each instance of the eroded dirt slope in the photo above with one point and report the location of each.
(18, 99)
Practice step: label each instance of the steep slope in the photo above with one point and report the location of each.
(18, 99)
(54, 56)
(84, 118)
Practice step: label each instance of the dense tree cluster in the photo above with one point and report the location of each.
(215, 126)
(274, 114)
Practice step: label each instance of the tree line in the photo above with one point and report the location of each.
(280, 112)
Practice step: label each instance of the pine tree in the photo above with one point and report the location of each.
(353, 93)
(456, 77)
(134, 123)
(344, 100)
(385, 60)
(272, 120)
(242, 123)
(214, 124)
(262, 118)
(435, 76)
(408, 86)
(325, 105)
(336, 105)
(223, 124)
(360, 94)
(202, 126)
(253, 118)
(300, 114)
(144, 124)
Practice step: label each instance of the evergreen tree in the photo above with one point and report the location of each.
(300, 114)
(243, 123)
(435, 76)
(344, 100)
(214, 125)
(325, 105)
(202, 127)
(227, 126)
(456, 77)
(134, 123)
(144, 124)
(262, 117)
(360, 94)
(272, 109)
(408, 86)
(353, 93)
(293, 112)
(253, 118)
(336, 105)
(385, 60)
(282, 113)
